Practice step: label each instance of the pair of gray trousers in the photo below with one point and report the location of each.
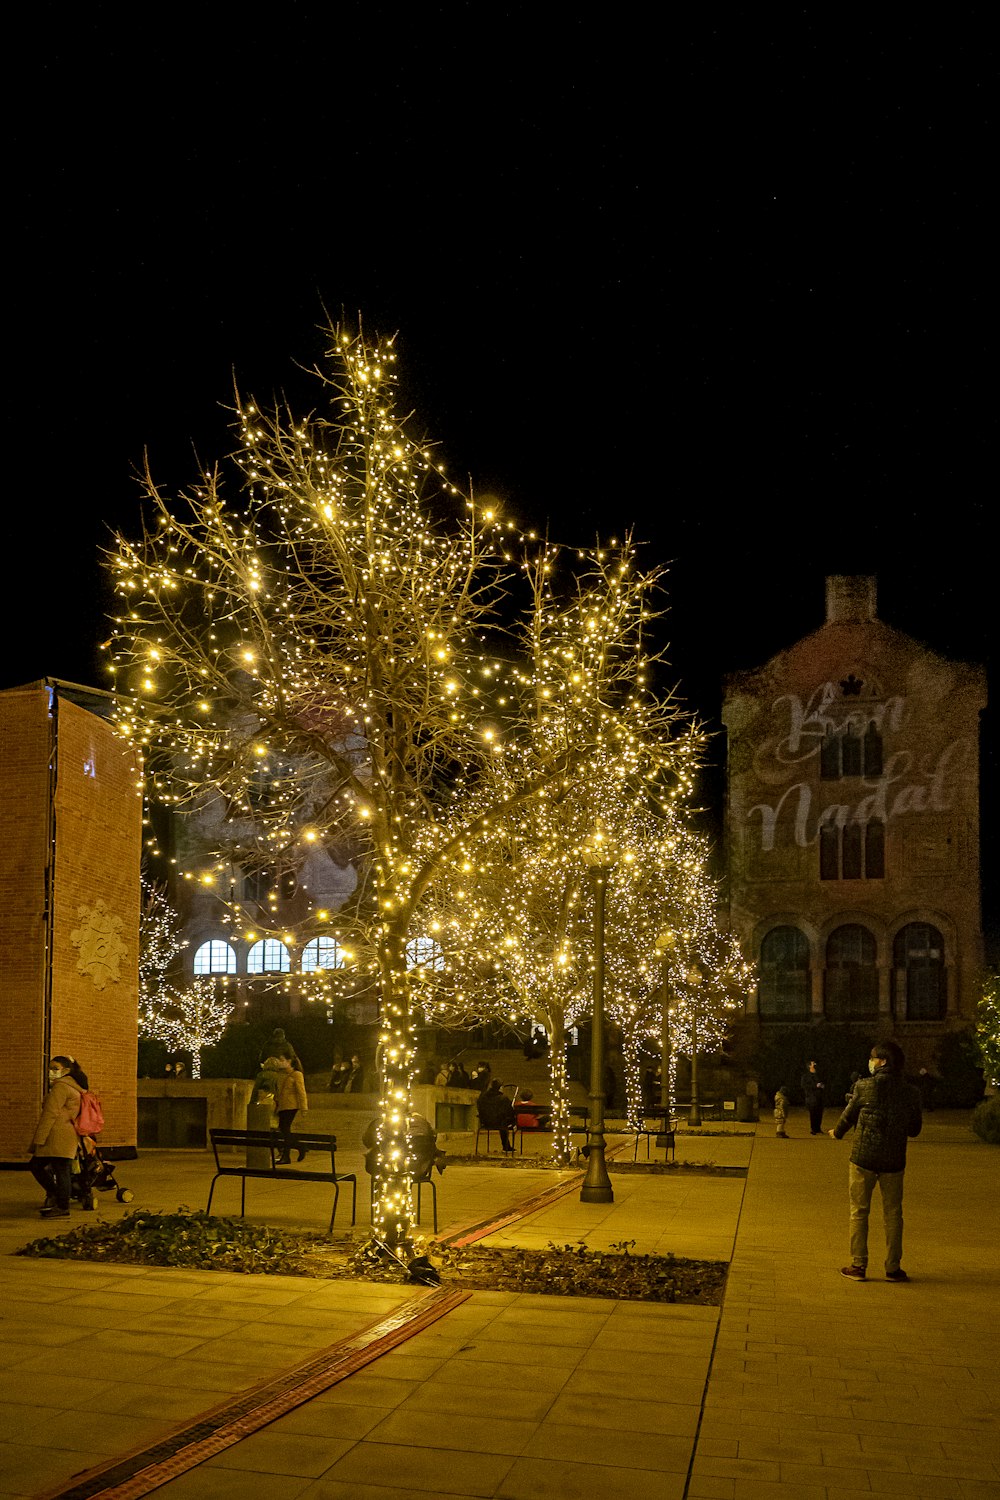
(861, 1186)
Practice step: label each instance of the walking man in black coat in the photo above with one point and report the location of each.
(886, 1110)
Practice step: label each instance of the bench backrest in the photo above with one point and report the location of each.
(240, 1139)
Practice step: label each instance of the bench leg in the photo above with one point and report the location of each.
(211, 1190)
(243, 1197)
(336, 1200)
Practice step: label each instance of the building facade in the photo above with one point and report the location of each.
(70, 846)
(853, 827)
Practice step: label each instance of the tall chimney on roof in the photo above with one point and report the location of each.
(849, 598)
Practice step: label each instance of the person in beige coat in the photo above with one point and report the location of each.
(290, 1098)
(55, 1142)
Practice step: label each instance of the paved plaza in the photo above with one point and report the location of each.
(802, 1386)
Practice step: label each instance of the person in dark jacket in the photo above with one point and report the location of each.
(496, 1113)
(886, 1110)
(813, 1088)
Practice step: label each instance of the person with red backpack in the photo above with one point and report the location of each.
(55, 1142)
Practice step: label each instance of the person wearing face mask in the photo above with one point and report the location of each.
(886, 1110)
(55, 1141)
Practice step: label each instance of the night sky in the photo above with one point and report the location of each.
(729, 279)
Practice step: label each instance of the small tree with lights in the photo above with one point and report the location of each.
(670, 950)
(988, 1027)
(515, 914)
(187, 1016)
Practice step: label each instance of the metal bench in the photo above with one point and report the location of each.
(257, 1142)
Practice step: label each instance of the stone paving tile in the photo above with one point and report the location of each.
(370, 1387)
(707, 1487)
(28, 1470)
(23, 1389)
(122, 1364)
(145, 1399)
(206, 1483)
(434, 1471)
(332, 1489)
(481, 1369)
(551, 1479)
(611, 1448)
(494, 1395)
(402, 1364)
(282, 1452)
(18, 1423)
(624, 1412)
(331, 1419)
(477, 1431)
(553, 1356)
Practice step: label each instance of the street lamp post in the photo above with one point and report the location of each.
(666, 942)
(693, 978)
(597, 1184)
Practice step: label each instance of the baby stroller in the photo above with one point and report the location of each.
(92, 1175)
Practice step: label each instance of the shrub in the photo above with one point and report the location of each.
(986, 1120)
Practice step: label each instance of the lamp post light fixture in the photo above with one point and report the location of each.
(600, 861)
(693, 980)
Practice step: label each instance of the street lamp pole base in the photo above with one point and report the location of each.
(597, 1184)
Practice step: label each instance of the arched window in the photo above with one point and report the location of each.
(424, 953)
(784, 991)
(269, 956)
(322, 953)
(215, 957)
(851, 989)
(919, 983)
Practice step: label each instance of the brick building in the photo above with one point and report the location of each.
(70, 843)
(853, 827)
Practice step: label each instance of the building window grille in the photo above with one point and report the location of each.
(784, 990)
(844, 752)
(875, 850)
(851, 979)
(215, 957)
(852, 852)
(269, 956)
(873, 753)
(322, 953)
(256, 885)
(919, 973)
(850, 753)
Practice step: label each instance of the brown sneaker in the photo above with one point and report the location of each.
(899, 1275)
(853, 1273)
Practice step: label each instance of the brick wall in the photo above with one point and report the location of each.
(69, 984)
(25, 742)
